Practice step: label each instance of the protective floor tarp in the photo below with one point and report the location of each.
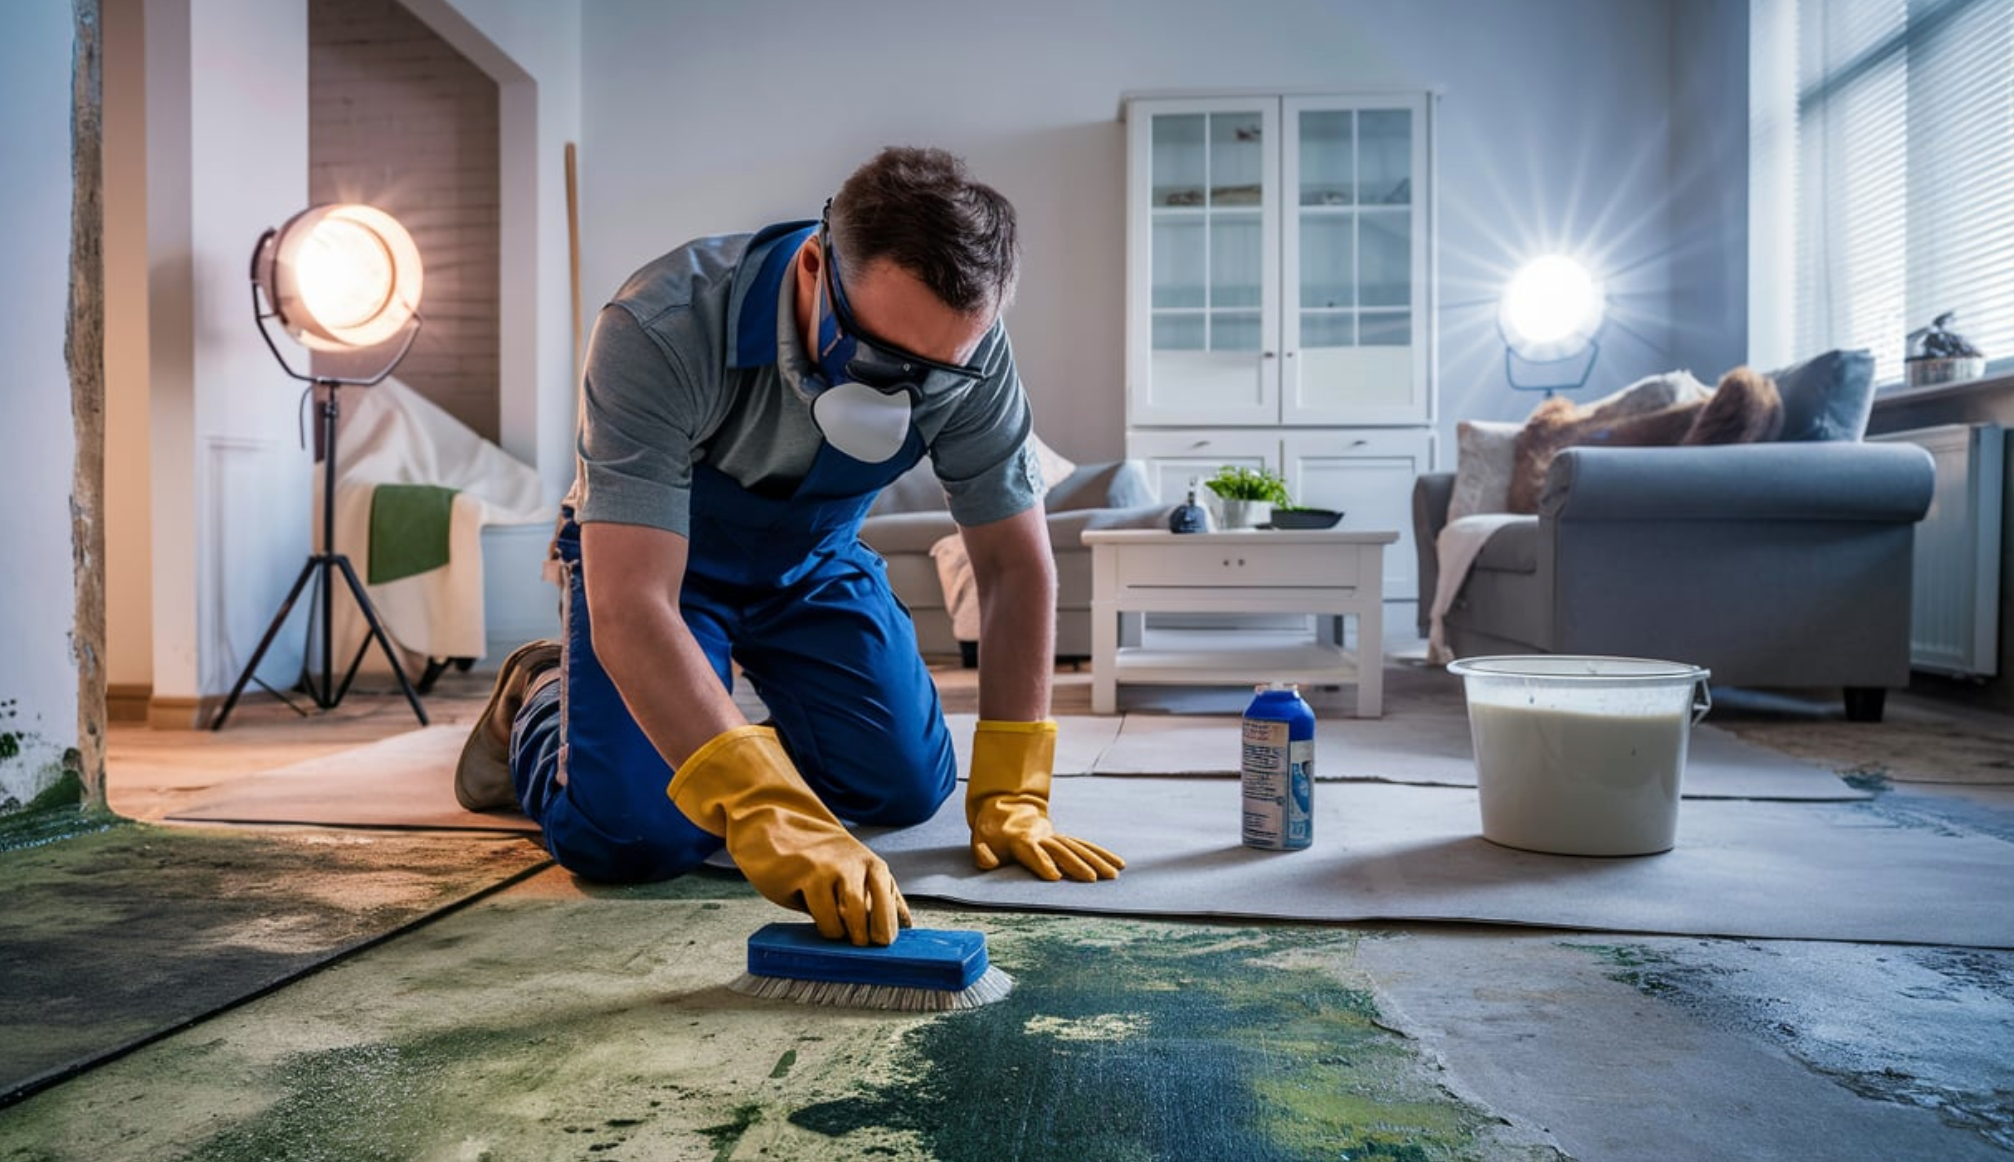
(1863, 871)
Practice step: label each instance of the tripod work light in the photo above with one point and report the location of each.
(337, 278)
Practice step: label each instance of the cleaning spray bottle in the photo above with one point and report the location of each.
(1278, 769)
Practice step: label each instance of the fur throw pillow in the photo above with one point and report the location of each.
(1744, 409)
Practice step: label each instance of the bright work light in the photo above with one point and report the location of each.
(1550, 312)
(340, 276)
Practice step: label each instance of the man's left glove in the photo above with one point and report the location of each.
(1007, 804)
(742, 787)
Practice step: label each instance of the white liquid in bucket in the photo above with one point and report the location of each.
(1577, 783)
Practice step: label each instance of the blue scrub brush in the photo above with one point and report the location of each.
(926, 970)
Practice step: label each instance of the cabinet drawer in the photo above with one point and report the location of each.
(1220, 565)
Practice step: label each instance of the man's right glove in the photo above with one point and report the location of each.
(742, 787)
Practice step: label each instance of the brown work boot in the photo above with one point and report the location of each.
(482, 776)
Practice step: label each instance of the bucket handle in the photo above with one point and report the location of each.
(1702, 700)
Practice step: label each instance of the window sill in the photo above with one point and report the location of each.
(1992, 383)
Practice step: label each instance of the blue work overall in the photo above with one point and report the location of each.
(783, 587)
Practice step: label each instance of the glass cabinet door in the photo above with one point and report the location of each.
(1206, 349)
(1354, 254)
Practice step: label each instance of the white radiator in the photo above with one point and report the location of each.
(1954, 623)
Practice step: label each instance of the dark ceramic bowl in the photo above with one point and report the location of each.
(1304, 518)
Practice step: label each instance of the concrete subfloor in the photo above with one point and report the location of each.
(584, 1030)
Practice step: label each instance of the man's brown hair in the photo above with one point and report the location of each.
(922, 210)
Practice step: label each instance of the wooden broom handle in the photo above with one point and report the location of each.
(573, 248)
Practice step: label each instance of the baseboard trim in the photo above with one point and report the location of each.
(166, 712)
(128, 701)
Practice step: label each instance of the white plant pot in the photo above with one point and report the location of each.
(1243, 514)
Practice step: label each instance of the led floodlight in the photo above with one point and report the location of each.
(1549, 315)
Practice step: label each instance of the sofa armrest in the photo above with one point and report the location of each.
(1830, 480)
(1431, 493)
(906, 532)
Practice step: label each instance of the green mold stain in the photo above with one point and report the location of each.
(1635, 965)
(726, 1136)
(784, 1063)
(349, 1104)
(55, 814)
(1228, 1044)
(381, 1102)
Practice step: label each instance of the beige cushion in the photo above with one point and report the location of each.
(1055, 467)
(1650, 394)
(1485, 451)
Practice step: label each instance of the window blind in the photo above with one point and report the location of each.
(1881, 176)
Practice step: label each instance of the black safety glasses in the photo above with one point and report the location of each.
(875, 361)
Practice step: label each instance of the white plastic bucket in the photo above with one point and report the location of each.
(1581, 755)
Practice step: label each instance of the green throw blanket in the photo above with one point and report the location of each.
(409, 529)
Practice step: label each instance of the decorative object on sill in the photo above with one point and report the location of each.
(1549, 317)
(1303, 518)
(1246, 496)
(1189, 517)
(1940, 355)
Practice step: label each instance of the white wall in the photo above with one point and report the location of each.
(1555, 129)
(38, 676)
(227, 157)
(1709, 181)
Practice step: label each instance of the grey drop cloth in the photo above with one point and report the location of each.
(1768, 870)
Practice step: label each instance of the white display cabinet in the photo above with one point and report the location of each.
(1280, 298)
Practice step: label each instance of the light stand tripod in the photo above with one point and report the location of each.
(327, 562)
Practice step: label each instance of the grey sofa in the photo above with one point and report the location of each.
(1775, 565)
(910, 516)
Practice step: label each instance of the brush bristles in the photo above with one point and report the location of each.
(993, 986)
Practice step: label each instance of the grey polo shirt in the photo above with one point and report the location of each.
(678, 373)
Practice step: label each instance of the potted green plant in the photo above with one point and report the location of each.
(1246, 496)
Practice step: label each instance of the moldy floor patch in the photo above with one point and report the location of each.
(120, 931)
(557, 1021)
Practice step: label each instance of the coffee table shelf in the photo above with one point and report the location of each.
(1316, 571)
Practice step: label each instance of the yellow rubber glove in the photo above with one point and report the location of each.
(1007, 804)
(742, 787)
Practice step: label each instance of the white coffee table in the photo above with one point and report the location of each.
(1244, 571)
